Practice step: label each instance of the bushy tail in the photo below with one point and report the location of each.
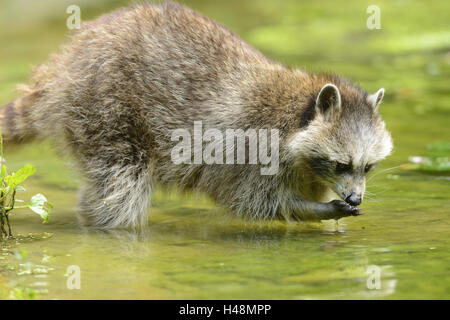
(16, 121)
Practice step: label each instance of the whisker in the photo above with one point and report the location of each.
(382, 171)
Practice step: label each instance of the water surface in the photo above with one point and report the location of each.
(193, 250)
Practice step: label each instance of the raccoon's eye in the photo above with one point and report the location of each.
(343, 168)
(368, 167)
(321, 165)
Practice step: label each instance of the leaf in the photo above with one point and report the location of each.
(3, 170)
(20, 176)
(41, 206)
(20, 188)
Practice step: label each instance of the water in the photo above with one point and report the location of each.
(195, 250)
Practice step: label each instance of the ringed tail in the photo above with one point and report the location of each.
(16, 123)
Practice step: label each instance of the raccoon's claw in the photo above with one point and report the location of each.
(343, 209)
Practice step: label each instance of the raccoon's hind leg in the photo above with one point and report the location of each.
(116, 197)
(112, 145)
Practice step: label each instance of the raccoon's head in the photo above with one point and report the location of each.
(344, 140)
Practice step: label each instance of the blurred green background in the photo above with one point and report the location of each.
(196, 251)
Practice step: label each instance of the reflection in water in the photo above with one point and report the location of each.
(206, 253)
(333, 226)
(128, 242)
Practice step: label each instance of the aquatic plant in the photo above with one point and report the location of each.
(10, 184)
(437, 159)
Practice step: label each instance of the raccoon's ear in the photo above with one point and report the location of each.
(376, 98)
(328, 101)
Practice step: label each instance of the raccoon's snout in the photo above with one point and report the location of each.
(353, 199)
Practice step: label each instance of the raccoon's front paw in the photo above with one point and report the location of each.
(342, 209)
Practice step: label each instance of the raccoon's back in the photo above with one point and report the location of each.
(167, 53)
(162, 36)
(166, 63)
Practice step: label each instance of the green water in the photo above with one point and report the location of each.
(195, 250)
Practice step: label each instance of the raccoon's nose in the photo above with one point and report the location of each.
(353, 199)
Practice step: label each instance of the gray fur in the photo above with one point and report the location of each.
(116, 91)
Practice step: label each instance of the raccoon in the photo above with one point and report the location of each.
(114, 94)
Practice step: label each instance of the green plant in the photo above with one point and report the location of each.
(437, 158)
(9, 186)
